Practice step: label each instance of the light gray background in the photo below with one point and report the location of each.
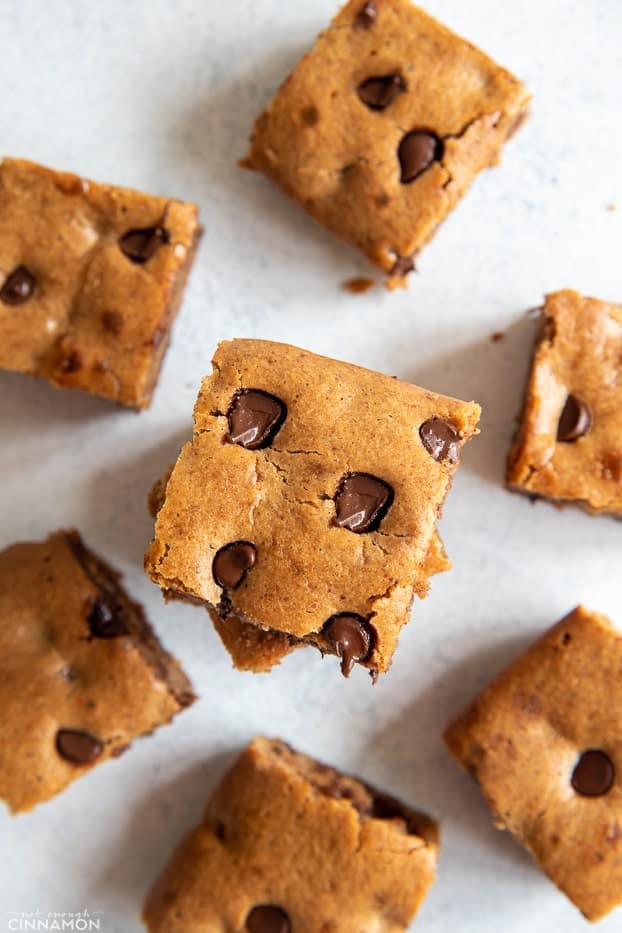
(161, 96)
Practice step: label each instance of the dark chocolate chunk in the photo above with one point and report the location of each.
(575, 420)
(106, 620)
(403, 266)
(361, 501)
(140, 245)
(18, 287)
(265, 918)
(416, 153)
(254, 418)
(366, 17)
(378, 93)
(440, 439)
(594, 774)
(350, 636)
(232, 562)
(78, 747)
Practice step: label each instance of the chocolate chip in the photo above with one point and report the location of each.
(440, 439)
(78, 747)
(18, 287)
(386, 807)
(254, 418)
(106, 619)
(403, 265)
(350, 636)
(265, 918)
(416, 153)
(71, 363)
(378, 93)
(594, 774)
(366, 16)
(140, 245)
(361, 501)
(575, 420)
(232, 562)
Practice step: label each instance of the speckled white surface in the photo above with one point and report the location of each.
(161, 96)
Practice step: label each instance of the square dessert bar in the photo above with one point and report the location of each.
(545, 743)
(305, 506)
(91, 278)
(569, 443)
(383, 126)
(289, 845)
(81, 671)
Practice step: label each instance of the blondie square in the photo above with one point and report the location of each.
(289, 845)
(545, 743)
(569, 443)
(91, 278)
(383, 126)
(81, 672)
(307, 501)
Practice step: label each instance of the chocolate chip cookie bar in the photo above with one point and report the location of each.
(81, 671)
(91, 278)
(545, 743)
(304, 510)
(569, 444)
(383, 126)
(289, 845)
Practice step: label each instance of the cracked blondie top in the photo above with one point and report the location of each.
(569, 443)
(91, 278)
(306, 504)
(82, 673)
(383, 126)
(544, 741)
(289, 845)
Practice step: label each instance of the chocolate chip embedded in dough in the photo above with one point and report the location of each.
(417, 151)
(80, 748)
(266, 918)
(575, 420)
(361, 502)
(71, 363)
(105, 619)
(140, 245)
(367, 15)
(350, 637)
(441, 439)
(18, 286)
(594, 774)
(232, 562)
(377, 93)
(254, 418)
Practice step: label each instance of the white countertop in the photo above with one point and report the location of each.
(161, 96)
